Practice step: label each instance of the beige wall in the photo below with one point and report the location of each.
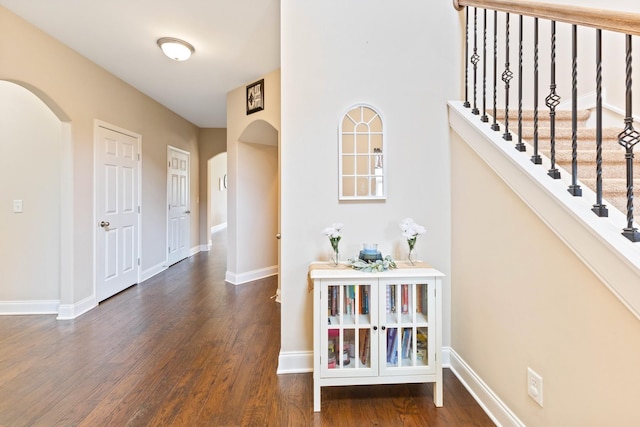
(211, 142)
(521, 298)
(85, 92)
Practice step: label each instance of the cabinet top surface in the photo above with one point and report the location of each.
(323, 270)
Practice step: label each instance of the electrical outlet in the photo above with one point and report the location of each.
(534, 386)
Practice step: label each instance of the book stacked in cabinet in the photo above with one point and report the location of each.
(376, 328)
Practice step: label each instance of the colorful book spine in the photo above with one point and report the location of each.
(405, 298)
(406, 343)
(392, 346)
(364, 345)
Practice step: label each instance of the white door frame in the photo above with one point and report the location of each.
(188, 193)
(96, 124)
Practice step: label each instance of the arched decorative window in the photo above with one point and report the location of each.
(362, 156)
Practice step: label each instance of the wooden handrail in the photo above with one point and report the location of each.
(608, 20)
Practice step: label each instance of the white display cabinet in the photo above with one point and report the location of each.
(376, 328)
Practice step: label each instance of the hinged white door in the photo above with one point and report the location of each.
(116, 211)
(179, 211)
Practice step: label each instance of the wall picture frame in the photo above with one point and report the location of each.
(255, 97)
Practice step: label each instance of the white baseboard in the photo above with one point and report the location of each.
(241, 278)
(300, 362)
(486, 398)
(295, 362)
(218, 227)
(29, 307)
(205, 248)
(194, 250)
(150, 272)
(71, 311)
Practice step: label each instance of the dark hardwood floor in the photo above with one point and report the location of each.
(185, 348)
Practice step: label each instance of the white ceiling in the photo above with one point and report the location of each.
(236, 42)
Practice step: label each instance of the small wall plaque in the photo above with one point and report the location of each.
(255, 97)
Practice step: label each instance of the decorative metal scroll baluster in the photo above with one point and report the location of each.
(628, 138)
(599, 208)
(474, 60)
(536, 159)
(466, 60)
(507, 75)
(484, 117)
(520, 145)
(574, 188)
(495, 126)
(552, 101)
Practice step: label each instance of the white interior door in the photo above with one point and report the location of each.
(179, 213)
(117, 211)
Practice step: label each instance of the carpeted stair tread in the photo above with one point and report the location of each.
(613, 186)
(562, 117)
(589, 156)
(614, 163)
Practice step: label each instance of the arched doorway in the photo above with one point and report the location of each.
(256, 193)
(217, 196)
(38, 184)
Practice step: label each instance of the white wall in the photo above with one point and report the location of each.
(402, 59)
(30, 143)
(613, 61)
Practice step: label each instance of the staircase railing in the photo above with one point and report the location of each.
(598, 19)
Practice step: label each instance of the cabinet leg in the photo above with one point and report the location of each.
(437, 393)
(316, 398)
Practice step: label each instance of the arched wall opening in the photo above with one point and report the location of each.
(217, 198)
(36, 195)
(257, 202)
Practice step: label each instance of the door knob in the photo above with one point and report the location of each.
(104, 224)
(278, 236)
(187, 212)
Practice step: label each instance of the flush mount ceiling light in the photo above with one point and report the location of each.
(176, 49)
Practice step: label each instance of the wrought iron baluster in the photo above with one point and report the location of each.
(474, 60)
(599, 208)
(574, 188)
(495, 126)
(466, 59)
(536, 159)
(628, 138)
(552, 101)
(507, 75)
(484, 117)
(520, 145)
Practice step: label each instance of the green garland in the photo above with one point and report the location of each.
(379, 265)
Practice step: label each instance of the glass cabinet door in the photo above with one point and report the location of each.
(405, 343)
(346, 346)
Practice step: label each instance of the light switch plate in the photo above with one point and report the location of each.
(17, 206)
